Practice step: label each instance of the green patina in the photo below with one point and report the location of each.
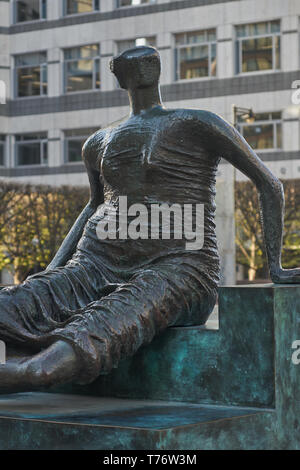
(233, 365)
(205, 379)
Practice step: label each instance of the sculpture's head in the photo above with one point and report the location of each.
(137, 68)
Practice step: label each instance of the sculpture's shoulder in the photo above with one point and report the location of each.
(95, 143)
(196, 117)
(198, 127)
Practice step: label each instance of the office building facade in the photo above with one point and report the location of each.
(54, 66)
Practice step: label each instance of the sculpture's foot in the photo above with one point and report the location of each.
(55, 365)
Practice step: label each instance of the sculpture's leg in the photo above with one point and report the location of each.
(117, 325)
(44, 301)
(53, 365)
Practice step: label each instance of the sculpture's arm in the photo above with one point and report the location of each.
(90, 154)
(234, 148)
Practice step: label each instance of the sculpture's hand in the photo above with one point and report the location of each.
(286, 276)
(55, 365)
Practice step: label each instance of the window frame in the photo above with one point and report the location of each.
(96, 59)
(274, 123)
(94, 10)
(151, 2)
(3, 146)
(42, 140)
(41, 18)
(78, 138)
(43, 67)
(182, 46)
(67, 139)
(239, 50)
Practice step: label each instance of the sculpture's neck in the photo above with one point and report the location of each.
(143, 99)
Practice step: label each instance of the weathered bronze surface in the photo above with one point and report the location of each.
(241, 381)
(99, 301)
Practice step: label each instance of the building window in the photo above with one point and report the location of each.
(74, 140)
(130, 43)
(29, 10)
(31, 74)
(82, 68)
(31, 149)
(265, 133)
(128, 3)
(2, 150)
(258, 47)
(195, 54)
(74, 7)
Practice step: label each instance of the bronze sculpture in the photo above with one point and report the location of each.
(100, 300)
